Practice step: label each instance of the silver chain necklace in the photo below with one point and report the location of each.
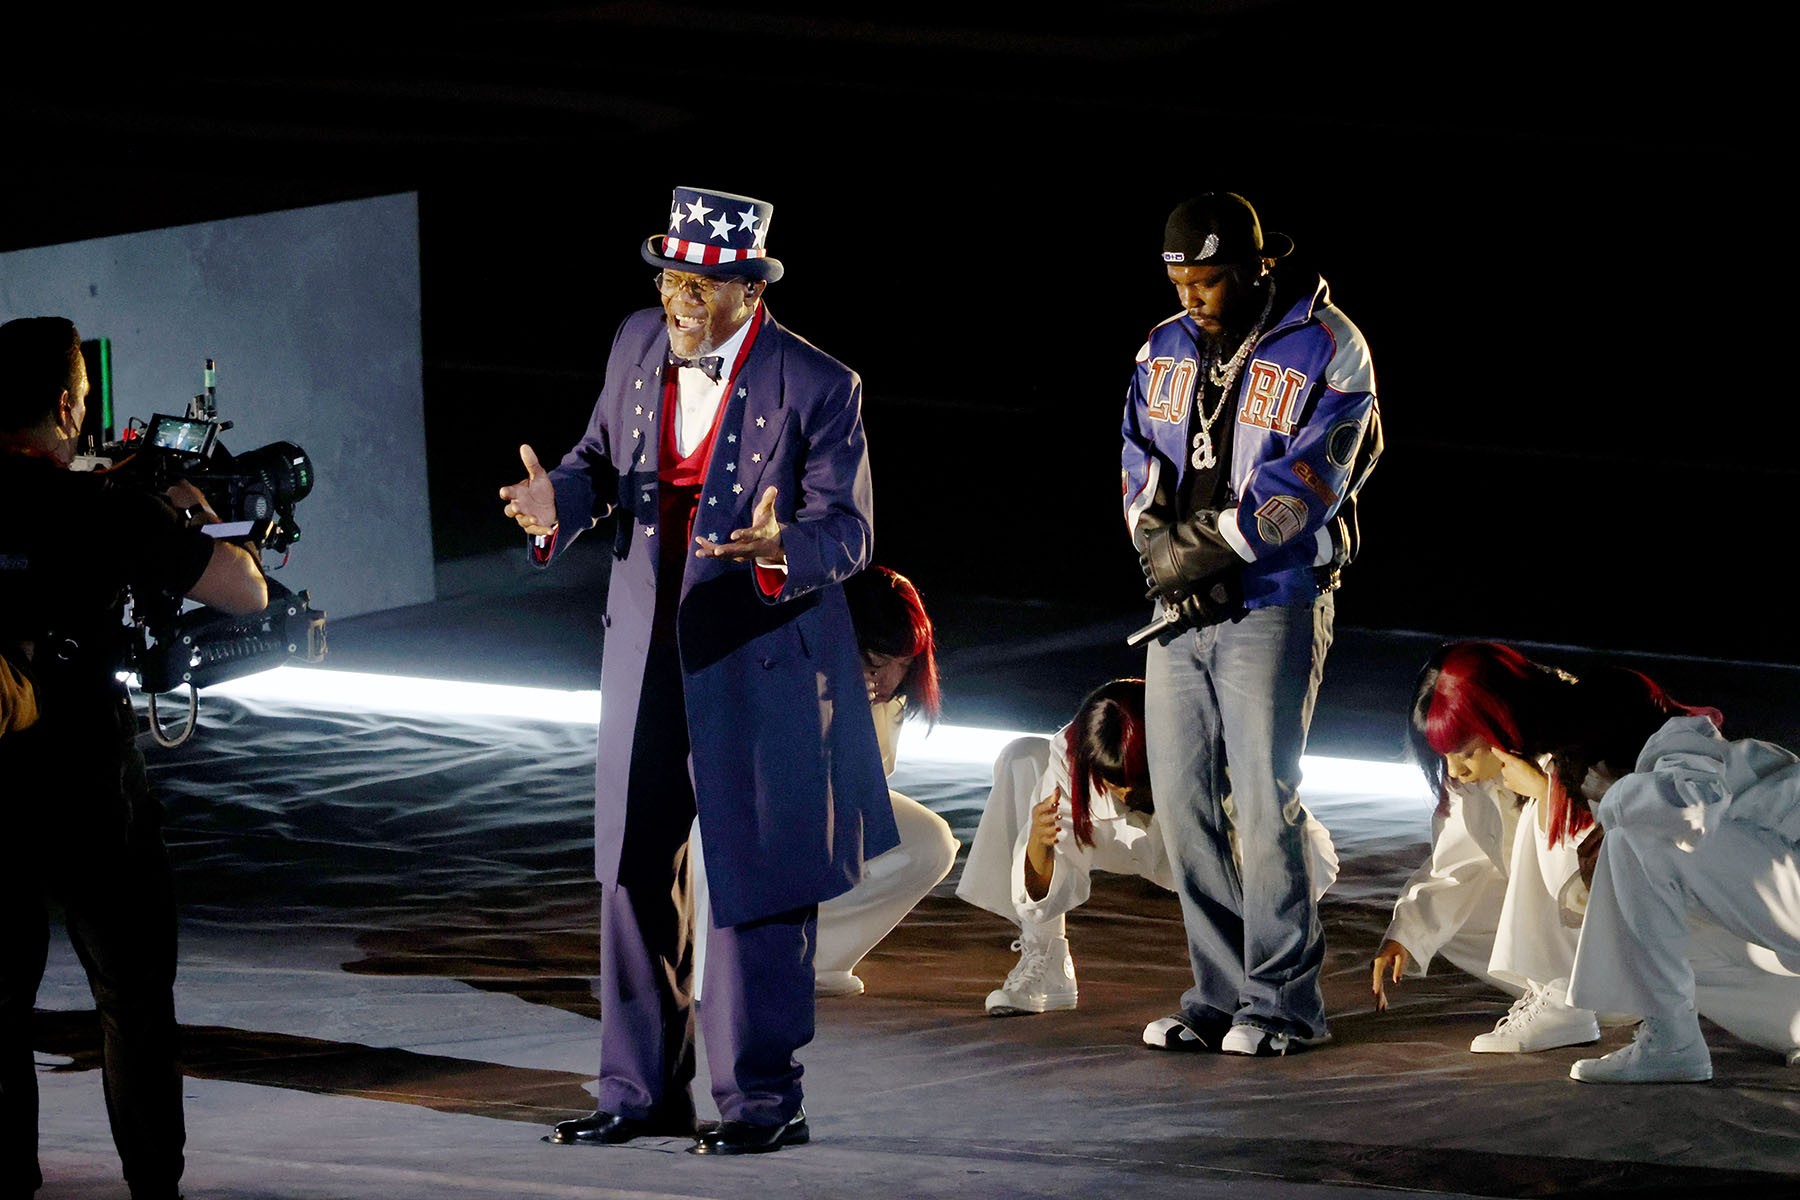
(1223, 376)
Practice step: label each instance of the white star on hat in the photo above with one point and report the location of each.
(675, 217)
(697, 210)
(748, 219)
(722, 229)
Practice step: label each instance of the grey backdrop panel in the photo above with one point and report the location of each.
(313, 316)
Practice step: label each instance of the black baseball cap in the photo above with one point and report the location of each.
(1219, 227)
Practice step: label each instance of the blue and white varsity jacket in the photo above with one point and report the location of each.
(1304, 403)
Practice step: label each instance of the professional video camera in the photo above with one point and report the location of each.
(254, 495)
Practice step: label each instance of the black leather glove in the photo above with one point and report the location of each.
(1193, 570)
(1211, 603)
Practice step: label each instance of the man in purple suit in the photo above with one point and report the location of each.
(729, 454)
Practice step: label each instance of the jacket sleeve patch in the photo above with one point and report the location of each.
(1341, 443)
(1280, 518)
(1305, 474)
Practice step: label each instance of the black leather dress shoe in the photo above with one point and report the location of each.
(741, 1137)
(610, 1129)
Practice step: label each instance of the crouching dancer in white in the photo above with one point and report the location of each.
(1495, 897)
(900, 670)
(1672, 922)
(1090, 776)
(1063, 807)
(1708, 828)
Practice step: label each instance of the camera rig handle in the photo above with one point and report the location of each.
(206, 646)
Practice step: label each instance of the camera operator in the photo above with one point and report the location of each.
(79, 821)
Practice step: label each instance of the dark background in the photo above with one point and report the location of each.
(1560, 232)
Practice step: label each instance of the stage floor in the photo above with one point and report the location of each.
(389, 933)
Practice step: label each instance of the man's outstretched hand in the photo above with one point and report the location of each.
(532, 501)
(761, 541)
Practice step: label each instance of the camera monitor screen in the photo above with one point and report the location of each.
(180, 434)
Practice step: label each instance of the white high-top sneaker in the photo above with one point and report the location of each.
(1541, 1019)
(1668, 1048)
(1043, 980)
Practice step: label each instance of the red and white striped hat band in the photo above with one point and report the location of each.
(694, 252)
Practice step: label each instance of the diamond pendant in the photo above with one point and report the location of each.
(1204, 458)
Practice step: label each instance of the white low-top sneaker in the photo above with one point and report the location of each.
(1538, 1020)
(1666, 1049)
(1043, 980)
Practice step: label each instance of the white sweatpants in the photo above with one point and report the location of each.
(851, 924)
(1535, 937)
(987, 873)
(1716, 928)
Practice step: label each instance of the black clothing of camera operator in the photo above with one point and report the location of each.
(80, 822)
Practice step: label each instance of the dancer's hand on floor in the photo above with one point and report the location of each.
(1390, 961)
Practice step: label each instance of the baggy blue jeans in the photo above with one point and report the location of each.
(1227, 710)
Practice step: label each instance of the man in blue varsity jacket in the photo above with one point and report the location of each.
(1249, 427)
(729, 455)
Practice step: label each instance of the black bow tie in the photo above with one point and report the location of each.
(711, 364)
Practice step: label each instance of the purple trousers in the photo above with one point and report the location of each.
(758, 1009)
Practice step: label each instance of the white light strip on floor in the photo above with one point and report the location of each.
(946, 745)
(360, 691)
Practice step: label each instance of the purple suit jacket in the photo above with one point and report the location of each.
(787, 772)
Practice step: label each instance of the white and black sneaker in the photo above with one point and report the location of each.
(1043, 980)
(1182, 1034)
(1255, 1042)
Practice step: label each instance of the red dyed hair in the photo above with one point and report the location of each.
(1491, 694)
(890, 619)
(1105, 742)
